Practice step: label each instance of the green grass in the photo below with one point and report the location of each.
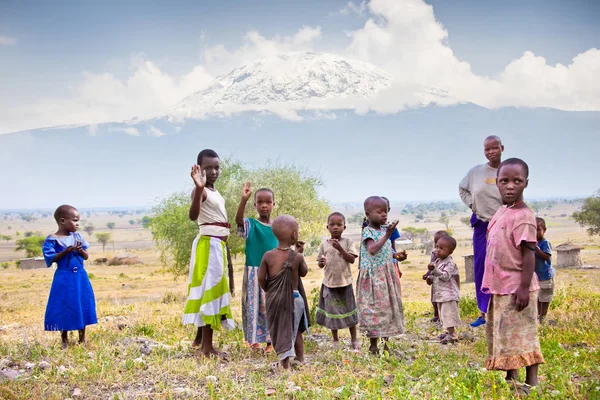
(416, 367)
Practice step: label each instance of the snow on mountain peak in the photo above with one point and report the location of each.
(296, 80)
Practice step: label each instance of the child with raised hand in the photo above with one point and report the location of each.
(71, 303)
(380, 311)
(427, 275)
(280, 275)
(511, 328)
(543, 269)
(446, 291)
(337, 305)
(259, 237)
(207, 305)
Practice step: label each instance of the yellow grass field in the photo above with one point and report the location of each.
(139, 307)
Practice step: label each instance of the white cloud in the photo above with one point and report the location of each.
(218, 59)
(7, 40)
(402, 37)
(101, 97)
(359, 9)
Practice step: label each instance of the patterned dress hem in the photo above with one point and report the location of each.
(514, 362)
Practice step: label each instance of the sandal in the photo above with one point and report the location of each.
(448, 340)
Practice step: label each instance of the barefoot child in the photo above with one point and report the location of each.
(446, 291)
(543, 269)
(337, 306)
(207, 304)
(427, 275)
(511, 329)
(380, 312)
(279, 276)
(71, 304)
(259, 237)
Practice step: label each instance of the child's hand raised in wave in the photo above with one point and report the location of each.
(246, 190)
(391, 228)
(198, 176)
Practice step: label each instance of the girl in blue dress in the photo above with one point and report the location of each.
(71, 304)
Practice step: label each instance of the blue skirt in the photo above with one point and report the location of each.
(71, 304)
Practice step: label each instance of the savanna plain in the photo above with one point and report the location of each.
(140, 350)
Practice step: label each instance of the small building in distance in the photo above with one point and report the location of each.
(32, 263)
(569, 255)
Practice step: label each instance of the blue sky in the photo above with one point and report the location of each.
(90, 62)
(56, 41)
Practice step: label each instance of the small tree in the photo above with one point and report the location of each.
(132, 222)
(356, 219)
(146, 221)
(32, 245)
(89, 229)
(295, 194)
(466, 221)
(6, 237)
(445, 220)
(103, 238)
(110, 225)
(590, 214)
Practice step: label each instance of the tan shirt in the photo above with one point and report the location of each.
(338, 272)
(445, 287)
(479, 192)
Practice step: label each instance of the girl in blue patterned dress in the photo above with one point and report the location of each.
(71, 304)
(380, 312)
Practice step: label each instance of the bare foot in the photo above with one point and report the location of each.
(213, 353)
(374, 349)
(356, 345)
(64, 345)
(269, 348)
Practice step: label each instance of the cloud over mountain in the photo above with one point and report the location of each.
(401, 37)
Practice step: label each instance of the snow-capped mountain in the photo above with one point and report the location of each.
(294, 79)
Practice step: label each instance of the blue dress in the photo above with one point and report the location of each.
(71, 304)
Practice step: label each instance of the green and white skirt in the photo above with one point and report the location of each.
(208, 301)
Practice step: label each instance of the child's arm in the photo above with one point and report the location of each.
(62, 254)
(321, 259)
(302, 268)
(262, 273)
(395, 235)
(542, 254)
(442, 272)
(521, 296)
(198, 195)
(374, 246)
(81, 251)
(345, 255)
(246, 193)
